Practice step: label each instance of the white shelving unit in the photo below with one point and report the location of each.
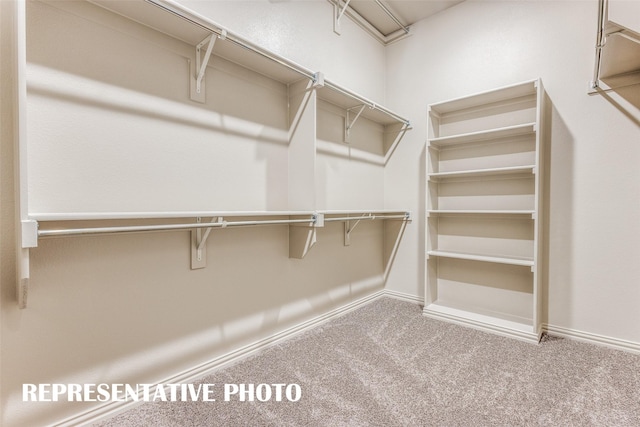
(311, 114)
(484, 222)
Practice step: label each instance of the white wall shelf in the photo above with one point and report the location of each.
(476, 173)
(481, 212)
(528, 262)
(490, 135)
(484, 183)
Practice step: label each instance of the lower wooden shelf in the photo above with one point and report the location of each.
(500, 323)
(527, 262)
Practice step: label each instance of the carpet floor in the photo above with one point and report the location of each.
(387, 365)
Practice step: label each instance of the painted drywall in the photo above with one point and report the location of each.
(593, 188)
(302, 31)
(625, 13)
(113, 128)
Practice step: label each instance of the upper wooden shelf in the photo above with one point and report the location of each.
(192, 28)
(486, 99)
(185, 25)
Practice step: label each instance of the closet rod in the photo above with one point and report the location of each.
(392, 16)
(166, 227)
(365, 217)
(208, 25)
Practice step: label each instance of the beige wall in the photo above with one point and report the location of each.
(129, 309)
(111, 127)
(593, 197)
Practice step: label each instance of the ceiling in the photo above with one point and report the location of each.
(388, 17)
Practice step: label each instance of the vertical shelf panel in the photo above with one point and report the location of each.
(302, 147)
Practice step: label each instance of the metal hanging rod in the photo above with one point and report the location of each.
(392, 16)
(405, 216)
(169, 227)
(189, 226)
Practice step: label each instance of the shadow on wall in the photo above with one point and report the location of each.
(558, 205)
(96, 318)
(630, 94)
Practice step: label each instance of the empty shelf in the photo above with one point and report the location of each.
(485, 98)
(480, 212)
(483, 172)
(527, 262)
(485, 135)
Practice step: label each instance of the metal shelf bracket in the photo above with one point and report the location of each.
(349, 123)
(199, 243)
(197, 74)
(348, 228)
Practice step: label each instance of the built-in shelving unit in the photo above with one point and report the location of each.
(319, 120)
(484, 184)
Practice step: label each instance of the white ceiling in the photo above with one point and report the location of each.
(406, 11)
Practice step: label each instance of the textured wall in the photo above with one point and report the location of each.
(111, 127)
(593, 195)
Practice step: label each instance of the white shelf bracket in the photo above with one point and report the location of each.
(348, 228)
(197, 74)
(303, 236)
(338, 12)
(349, 123)
(201, 64)
(199, 238)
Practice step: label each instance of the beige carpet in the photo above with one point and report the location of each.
(387, 365)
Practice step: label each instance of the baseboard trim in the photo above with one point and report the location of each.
(111, 409)
(588, 337)
(414, 299)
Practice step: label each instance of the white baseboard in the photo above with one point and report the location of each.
(588, 337)
(414, 299)
(111, 409)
